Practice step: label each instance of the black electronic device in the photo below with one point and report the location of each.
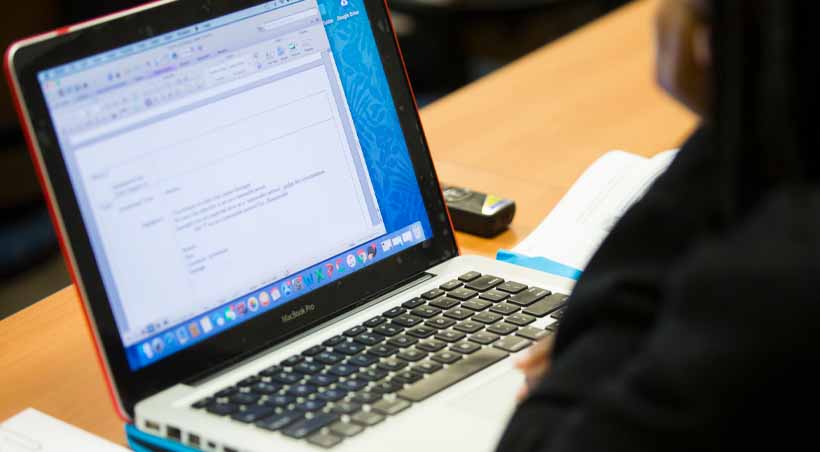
(478, 213)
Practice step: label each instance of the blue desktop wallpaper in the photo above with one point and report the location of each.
(374, 114)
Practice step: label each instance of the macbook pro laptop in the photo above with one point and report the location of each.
(249, 209)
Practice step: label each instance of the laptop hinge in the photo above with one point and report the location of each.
(407, 285)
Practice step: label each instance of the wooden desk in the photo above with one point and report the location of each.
(526, 132)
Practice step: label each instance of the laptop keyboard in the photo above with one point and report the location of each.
(349, 382)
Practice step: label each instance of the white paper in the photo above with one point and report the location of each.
(574, 230)
(33, 431)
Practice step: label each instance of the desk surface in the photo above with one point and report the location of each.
(525, 132)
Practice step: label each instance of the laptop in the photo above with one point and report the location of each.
(249, 209)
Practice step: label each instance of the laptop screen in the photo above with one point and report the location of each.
(230, 167)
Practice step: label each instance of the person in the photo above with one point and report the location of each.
(692, 327)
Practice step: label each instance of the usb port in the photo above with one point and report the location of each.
(193, 440)
(173, 433)
(151, 425)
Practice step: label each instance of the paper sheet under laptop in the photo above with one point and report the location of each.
(574, 230)
(33, 431)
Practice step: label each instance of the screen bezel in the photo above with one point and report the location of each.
(254, 335)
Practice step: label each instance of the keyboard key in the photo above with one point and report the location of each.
(503, 329)
(468, 326)
(227, 392)
(407, 320)
(222, 409)
(547, 305)
(390, 407)
(332, 395)
(349, 348)
(402, 341)
(412, 355)
(484, 338)
(387, 387)
(426, 311)
(366, 397)
(355, 331)
(301, 390)
(313, 351)
(279, 400)
(450, 285)
(391, 364)
(512, 287)
(431, 345)
(559, 314)
(469, 276)
(466, 347)
(244, 398)
(395, 312)
(203, 403)
(440, 323)
(369, 339)
(487, 317)
(352, 385)
(322, 379)
(532, 333)
(553, 326)
(287, 378)
(342, 370)
(432, 294)
(293, 360)
(346, 407)
(373, 374)
(346, 429)
(512, 344)
(265, 388)
(280, 421)
(446, 357)
(520, 319)
(450, 336)
(529, 296)
(367, 418)
(494, 295)
(326, 440)
(328, 358)
(408, 377)
(476, 305)
(311, 405)
(427, 367)
(362, 360)
(270, 371)
(382, 350)
(414, 303)
(462, 294)
(305, 427)
(484, 283)
(309, 367)
(252, 380)
(422, 332)
(388, 330)
(459, 313)
(505, 308)
(333, 341)
(453, 374)
(253, 413)
(444, 303)
(374, 322)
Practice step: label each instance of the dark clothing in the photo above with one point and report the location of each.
(687, 331)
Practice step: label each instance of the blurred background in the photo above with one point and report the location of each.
(446, 44)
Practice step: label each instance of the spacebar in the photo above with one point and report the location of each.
(452, 374)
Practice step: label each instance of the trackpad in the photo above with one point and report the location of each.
(493, 399)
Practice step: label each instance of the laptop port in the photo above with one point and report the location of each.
(229, 449)
(193, 440)
(173, 433)
(151, 425)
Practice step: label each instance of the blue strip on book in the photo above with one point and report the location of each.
(143, 442)
(539, 263)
